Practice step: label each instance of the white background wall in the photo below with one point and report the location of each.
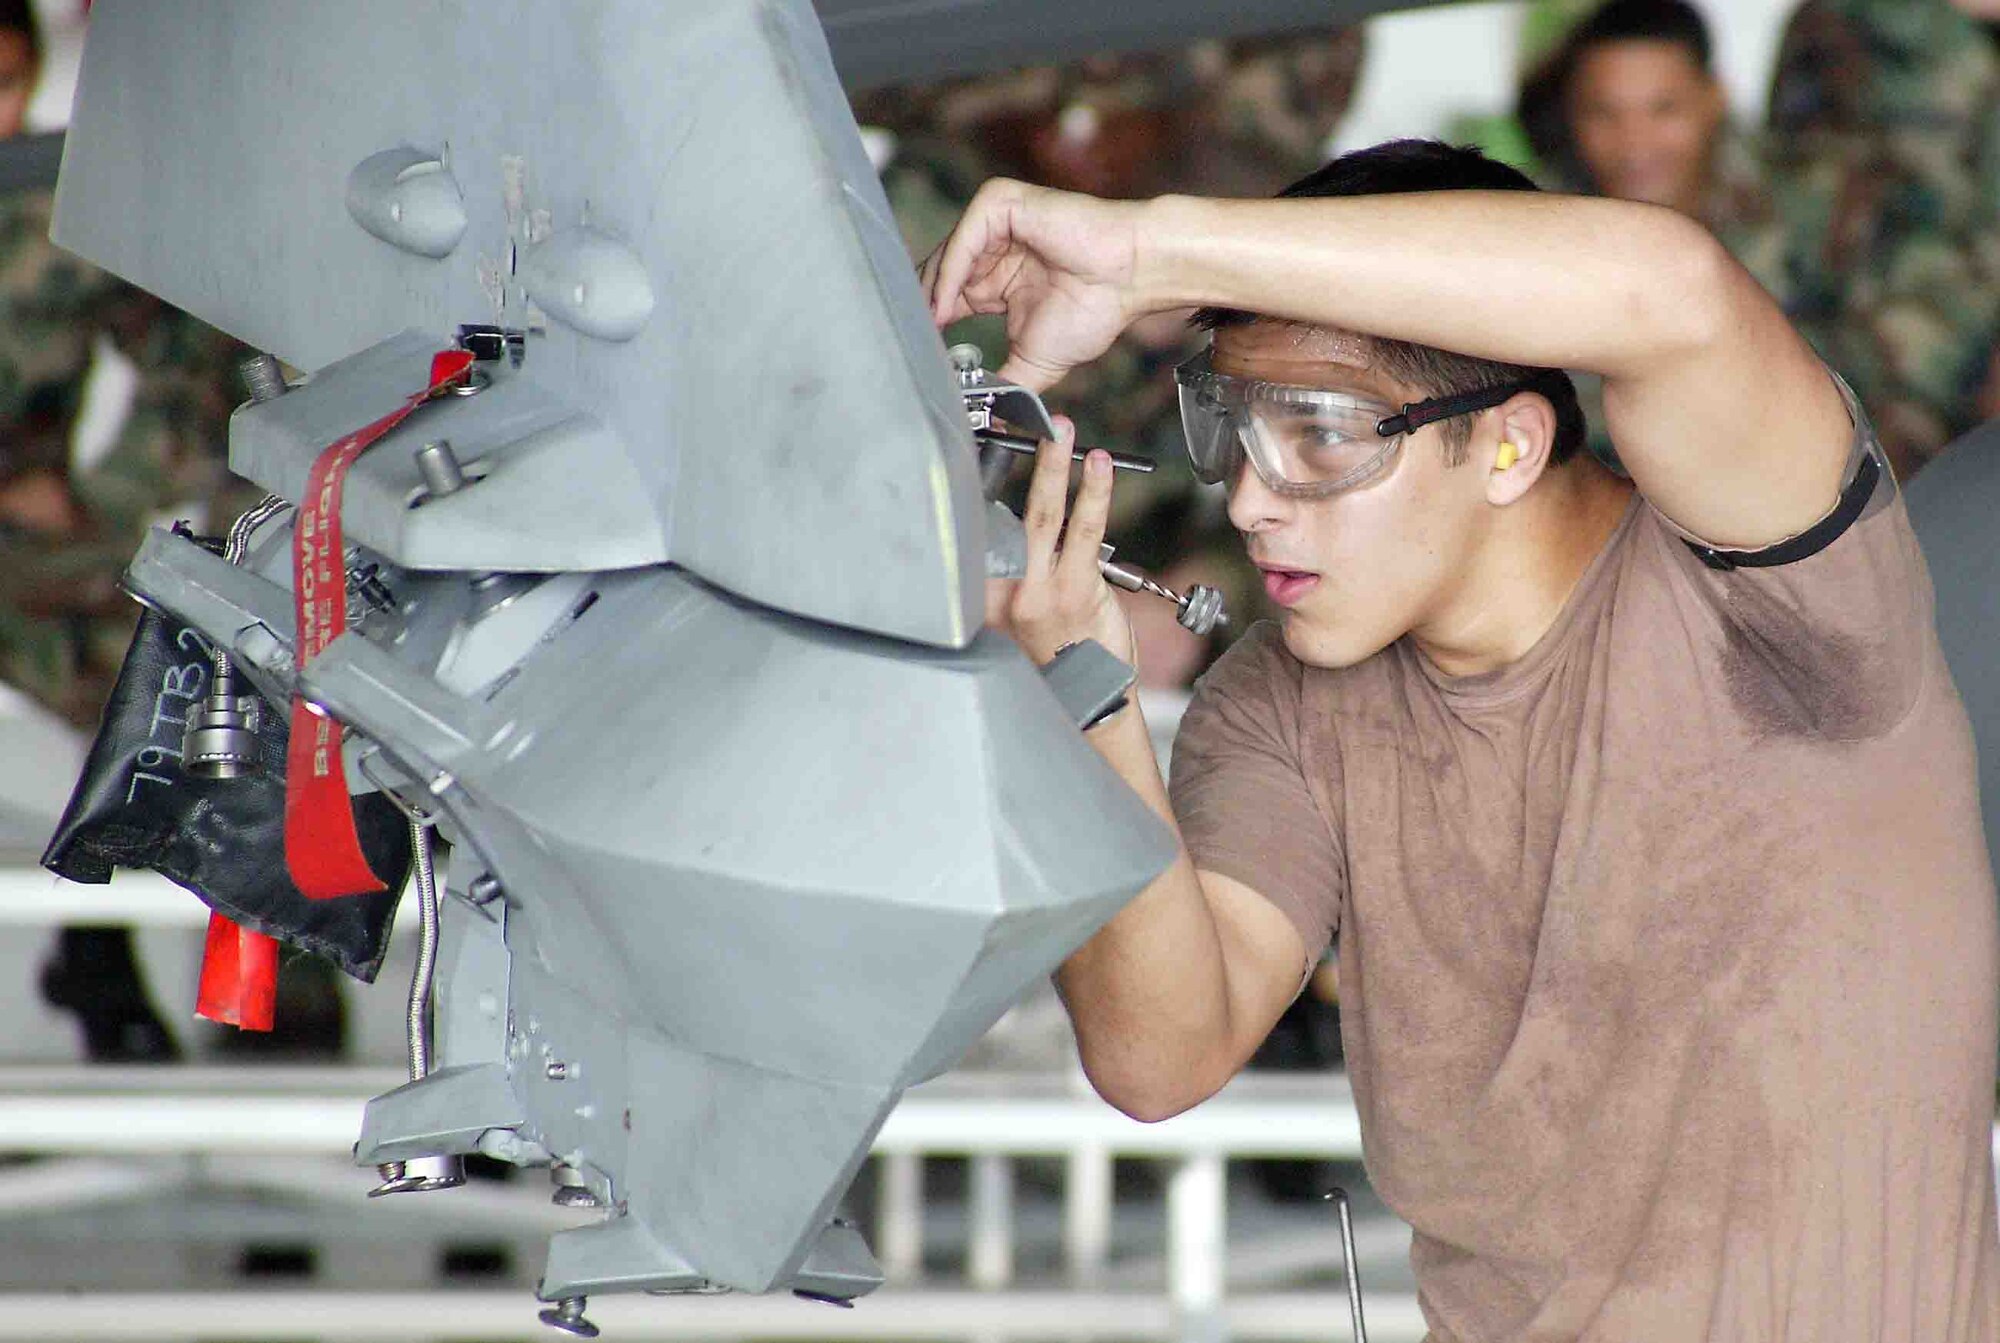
(62, 46)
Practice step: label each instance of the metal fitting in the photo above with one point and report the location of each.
(438, 465)
(968, 361)
(221, 737)
(419, 1175)
(1201, 609)
(567, 1315)
(488, 343)
(1349, 1263)
(570, 1191)
(220, 740)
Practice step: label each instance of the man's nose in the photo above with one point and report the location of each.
(1253, 505)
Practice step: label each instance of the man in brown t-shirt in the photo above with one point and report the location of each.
(1644, 819)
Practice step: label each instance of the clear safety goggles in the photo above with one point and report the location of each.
(1304, 442)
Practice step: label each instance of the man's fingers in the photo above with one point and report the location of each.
(1048, 496)
(1077, 566)
(982, 228)
(927, 277)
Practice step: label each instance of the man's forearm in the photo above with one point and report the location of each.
(1149, 994)
(1554, 281)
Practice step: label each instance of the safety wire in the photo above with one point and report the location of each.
(427, 945)
(233, 550)
(423, 874)
(397, 1176)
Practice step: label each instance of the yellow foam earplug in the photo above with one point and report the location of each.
(1506, 457)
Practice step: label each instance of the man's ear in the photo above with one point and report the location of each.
(1527, 437)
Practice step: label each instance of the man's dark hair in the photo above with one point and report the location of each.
(1406, 166)
(18, 16)
(1543, 107)
(1674, 21)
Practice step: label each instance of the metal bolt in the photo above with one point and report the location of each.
(420, 1175)
(567, 1315)
(438, 465)
(485, 889)
(557, 1071)
(392, 1179)
(263, 376)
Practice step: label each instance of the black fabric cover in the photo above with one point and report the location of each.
(223, 839)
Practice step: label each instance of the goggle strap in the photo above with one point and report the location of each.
(1417, 414)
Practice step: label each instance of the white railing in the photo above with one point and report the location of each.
(87, 1116)
(107, 1133)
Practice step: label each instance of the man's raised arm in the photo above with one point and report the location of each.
(1723, 414)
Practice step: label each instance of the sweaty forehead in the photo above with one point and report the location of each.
(1308, 356)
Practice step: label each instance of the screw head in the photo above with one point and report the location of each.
(567, 1315)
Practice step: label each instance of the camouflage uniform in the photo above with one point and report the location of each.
(64, 624)
(1891, 109)
(1267, 109)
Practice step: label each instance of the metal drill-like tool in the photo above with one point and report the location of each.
(1200, 609)
(988, 400)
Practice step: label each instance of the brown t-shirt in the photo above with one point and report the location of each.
(1667, 952)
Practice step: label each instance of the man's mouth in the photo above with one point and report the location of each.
(1287, 587)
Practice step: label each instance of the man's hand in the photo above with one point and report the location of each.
(1062, 598)
(1062, 267)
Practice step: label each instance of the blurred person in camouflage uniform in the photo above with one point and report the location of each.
(68, 531)
(1867, 241)
(1238, 117)
(1919, 80)
(69, 526)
